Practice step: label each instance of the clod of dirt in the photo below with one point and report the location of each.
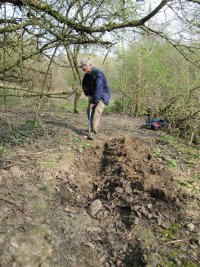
(95, 207)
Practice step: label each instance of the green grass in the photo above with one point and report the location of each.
(197, 177)
(168, 139)
(172, 163)
(172, 263)
(83, 104)
(2, 150)
(71, 152)
(159, 152)
(66, 106)
(50, 163)
(108, 109)
(24, 194)
(190, 264)
(77, 139)
(171, 232)
(11, 101)
(182, 148)
(190, 151)
(87, 146)
(36, 123)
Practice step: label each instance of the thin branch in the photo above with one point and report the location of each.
(194, 1)
(189, 116)
(73, 24)
(58, 95)
(10, 201)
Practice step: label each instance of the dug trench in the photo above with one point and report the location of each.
(106, 203)
(138, 206)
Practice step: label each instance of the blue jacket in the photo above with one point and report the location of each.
(95, 85)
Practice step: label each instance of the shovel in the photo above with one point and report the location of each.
(90, 136)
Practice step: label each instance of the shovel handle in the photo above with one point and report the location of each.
(89, 120)
(90, 115)
(90, 137)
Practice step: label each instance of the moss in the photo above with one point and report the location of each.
(171, 232)
(87, 146)
(172, 163)
(190, 264)
(159, 152)
(171, 261)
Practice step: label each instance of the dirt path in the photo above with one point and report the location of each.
(129, 198)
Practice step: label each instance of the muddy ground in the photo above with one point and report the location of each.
(129, 198)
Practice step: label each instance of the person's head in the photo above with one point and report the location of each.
(86, 65)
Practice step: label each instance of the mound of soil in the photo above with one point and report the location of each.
(141, 207)
(67, 201)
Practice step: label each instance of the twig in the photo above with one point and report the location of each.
(43, 127)
(9, 201)
(176, 241)
(27, 154)
(189, 116)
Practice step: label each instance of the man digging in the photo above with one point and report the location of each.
(95, 87)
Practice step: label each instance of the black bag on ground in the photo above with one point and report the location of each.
(156, 124)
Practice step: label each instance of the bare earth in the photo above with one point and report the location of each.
(125, 199)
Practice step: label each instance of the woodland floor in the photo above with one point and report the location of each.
(129, 198)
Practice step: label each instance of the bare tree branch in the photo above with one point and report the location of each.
(194, 1)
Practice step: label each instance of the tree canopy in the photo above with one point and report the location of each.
(55, 23)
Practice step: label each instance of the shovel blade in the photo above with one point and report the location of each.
(90, 137)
